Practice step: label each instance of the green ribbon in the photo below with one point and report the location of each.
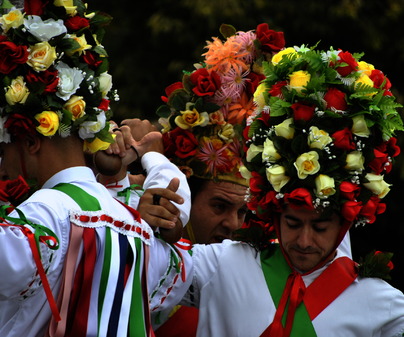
(126, 192)
(276, 272)
(41, 233)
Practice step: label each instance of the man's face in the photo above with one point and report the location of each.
(308, 237)
(217, 211)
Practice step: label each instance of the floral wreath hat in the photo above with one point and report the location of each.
(322, 135)
(54, 72)
(204, 114)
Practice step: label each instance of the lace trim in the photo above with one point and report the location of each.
(98, 219)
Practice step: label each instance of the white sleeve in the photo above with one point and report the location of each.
(160, 171)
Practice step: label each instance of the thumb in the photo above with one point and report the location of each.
(174, 184)
(147, 142)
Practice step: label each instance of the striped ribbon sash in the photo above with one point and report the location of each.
(103, 291)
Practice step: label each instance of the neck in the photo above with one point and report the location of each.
(57, 155)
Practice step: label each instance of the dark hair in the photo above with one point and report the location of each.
(196, 185)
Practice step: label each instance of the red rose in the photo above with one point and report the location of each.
(18, 125)
(379, 80)
(378, 164)
(302, 111)
(257, 183)
(276, 89)
(270, 40)
(12, 190)
(170, 89)
(91, 59)
(349, 190)
(390, 264)
(268, 204)
(372, 208)
(11, 55)
(253, 80)
(335, 99)
(46, 78)
(383, 154)
(343, 139)
(104, 105)
(206, 83)
(76, 23)
(299, 197)
(179, 142)
(347, 63)
(350, 210)
(34, 7)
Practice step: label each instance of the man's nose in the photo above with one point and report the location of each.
(305, 237)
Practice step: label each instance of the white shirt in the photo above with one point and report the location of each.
(229, 288)
(24, 310)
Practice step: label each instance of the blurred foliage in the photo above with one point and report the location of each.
(149, 47)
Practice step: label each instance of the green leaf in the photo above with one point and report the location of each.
(227, 30)
(163, 111)
(278, 106)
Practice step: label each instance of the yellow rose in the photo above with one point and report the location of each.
(12, 19)
(48, 122)
(191, 118)
(81, 40)
(284, 129)
(253, 151)
(318, 139)
(226, 133)
(299, 79)
(41, 56)
(68, 5)
(354, 161)
(307, 164)
(17, 92)
(365, 79)
(377, 185)
(360, 127)
(276, 176)
(96, 145)
(77, 106)
(278, 56)
(269, 152)
(325, 186)
(365, 67)
(259, 95)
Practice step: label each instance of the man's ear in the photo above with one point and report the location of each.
(32, 143)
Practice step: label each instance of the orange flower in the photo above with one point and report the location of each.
(224, 56)
(239, 112)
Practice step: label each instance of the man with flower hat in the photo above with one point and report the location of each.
(203, 118)
(70, 253)
(319, 146)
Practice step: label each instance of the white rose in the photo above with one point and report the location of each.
(69, 80)
(269, 153)
(44, 30)
(377, 185)
(252, 151)
(105, 83)
(90, 128)
(284, 129)
(318, 139)
(276, 176)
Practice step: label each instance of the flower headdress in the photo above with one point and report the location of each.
(54, 72)
(322, 135)
(204, 115)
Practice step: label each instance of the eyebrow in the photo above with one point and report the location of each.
(319, 220)
(228, 202)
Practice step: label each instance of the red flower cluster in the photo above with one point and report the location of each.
(13, 190)
(11, 55)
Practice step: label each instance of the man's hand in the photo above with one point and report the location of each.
(165, 214)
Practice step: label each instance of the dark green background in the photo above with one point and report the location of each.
(150, 45)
